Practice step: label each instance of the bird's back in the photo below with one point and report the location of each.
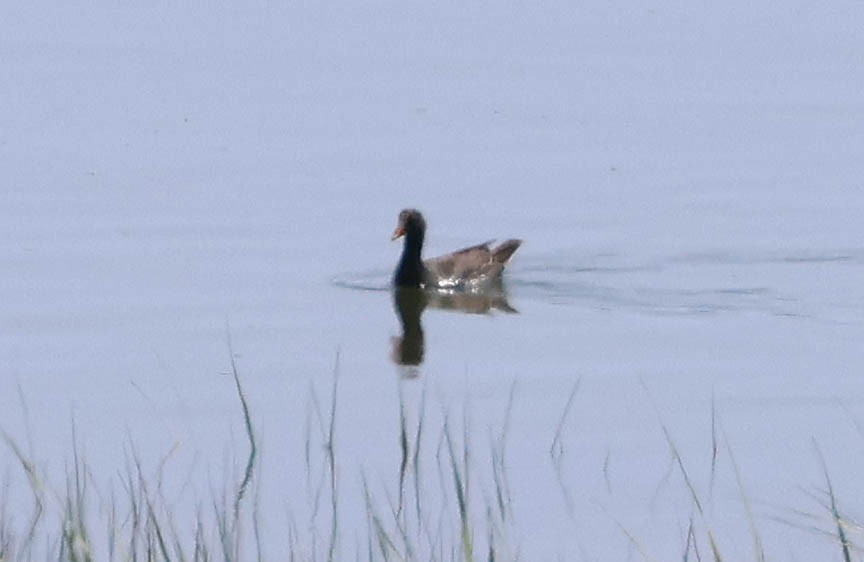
(472, 266)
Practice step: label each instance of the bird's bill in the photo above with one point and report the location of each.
(398, 233)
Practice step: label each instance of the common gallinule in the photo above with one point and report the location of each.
(473, 268)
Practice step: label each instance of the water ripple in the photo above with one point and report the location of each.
(373, 280)
(692, 283)
(688, 283)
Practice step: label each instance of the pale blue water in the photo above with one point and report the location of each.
(687, 181)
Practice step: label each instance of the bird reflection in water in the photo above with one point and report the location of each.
(409, 303)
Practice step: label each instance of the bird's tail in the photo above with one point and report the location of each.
(505, 250)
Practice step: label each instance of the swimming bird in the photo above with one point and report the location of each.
(473, 268)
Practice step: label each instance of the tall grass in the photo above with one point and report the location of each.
(437, 511)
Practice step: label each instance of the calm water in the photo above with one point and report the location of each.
(687, 182)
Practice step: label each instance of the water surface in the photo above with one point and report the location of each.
(687, 183)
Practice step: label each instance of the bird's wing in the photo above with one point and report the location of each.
(462, 264)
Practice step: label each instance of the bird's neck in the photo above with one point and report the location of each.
(411, 269)
(413, 247)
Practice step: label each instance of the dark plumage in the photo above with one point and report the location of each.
(472, 268)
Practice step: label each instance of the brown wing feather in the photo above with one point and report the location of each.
(461, 263)
(473, 263)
